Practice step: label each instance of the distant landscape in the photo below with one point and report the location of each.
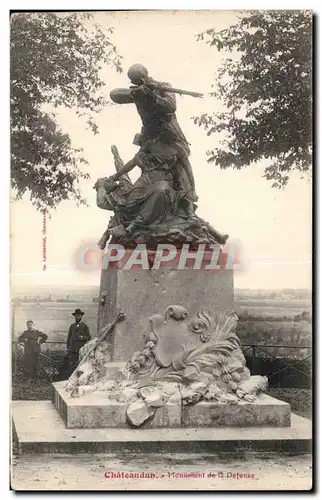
(268, 320)
(276, 317)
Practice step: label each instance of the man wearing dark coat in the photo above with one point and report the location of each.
(78, 335)
(31, 340)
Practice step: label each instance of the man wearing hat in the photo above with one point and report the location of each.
(78, 335)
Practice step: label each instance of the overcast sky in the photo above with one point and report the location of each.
(273, 227)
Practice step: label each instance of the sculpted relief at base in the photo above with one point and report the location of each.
(184, 359)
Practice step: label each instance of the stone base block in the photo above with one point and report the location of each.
(96, 411)
(266, 411)
(37, 428)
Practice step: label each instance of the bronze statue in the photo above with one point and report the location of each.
(156, 108)
(160, 206)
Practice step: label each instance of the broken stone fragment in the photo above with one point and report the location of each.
(226, 397)
(189, 396)
(250, 398)
(168, 388)
(236, 376)
(137, 413)
(152, 397)
(254, 385)
(145, 391)
(108, 385)
(199, 387)
(232, 386)
(83, 390)
(129, 394)
(213, 392)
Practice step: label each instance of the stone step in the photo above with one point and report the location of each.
(38, 428)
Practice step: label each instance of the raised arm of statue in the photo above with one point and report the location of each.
(121, 96)
(125, 169)
(161, 101)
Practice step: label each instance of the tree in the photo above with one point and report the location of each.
(55, 59)
(266, 90)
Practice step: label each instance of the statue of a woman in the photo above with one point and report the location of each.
(159, 206)
(161, 192)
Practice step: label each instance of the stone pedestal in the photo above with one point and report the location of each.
(96, 411)
(140, 292)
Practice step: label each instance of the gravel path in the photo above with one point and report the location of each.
(255, 471)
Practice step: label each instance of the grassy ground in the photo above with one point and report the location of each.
(30, 390)
(299, 399)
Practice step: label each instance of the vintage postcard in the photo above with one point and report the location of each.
(161, 306)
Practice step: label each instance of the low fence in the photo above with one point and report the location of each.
(292, 367)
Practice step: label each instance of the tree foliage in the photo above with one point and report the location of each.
(55, 60)
(265, 88)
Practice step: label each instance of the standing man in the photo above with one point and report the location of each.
(78, 335)
(31, 339)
